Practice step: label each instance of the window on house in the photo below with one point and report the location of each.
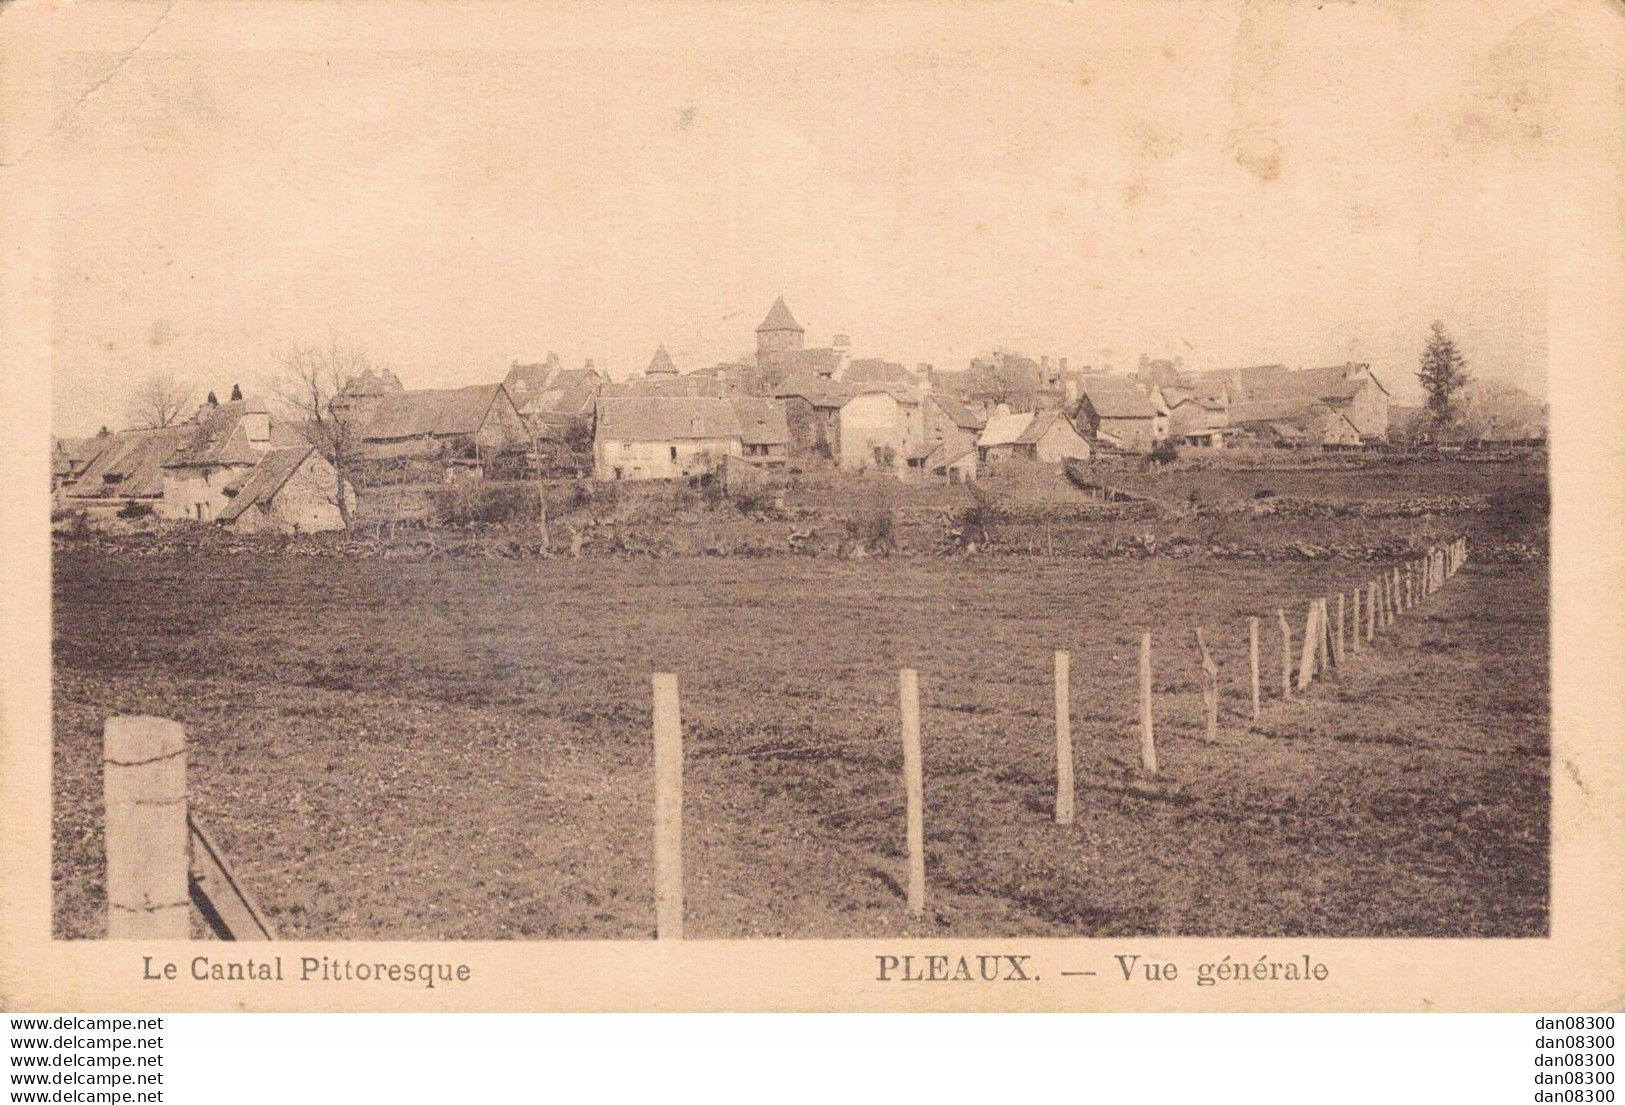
(674, 452)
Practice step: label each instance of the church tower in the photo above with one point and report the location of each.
(778, 334)
(661, 365)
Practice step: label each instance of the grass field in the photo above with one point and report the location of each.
(462, 749)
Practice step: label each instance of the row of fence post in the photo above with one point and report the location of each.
(150, 884)
(1327, 640)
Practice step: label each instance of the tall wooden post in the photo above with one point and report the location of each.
(1286, 654)
(1355, 632)
(1252, 661)
(144, 788)
(908, 687)
(668, 726)
(1210, 686)
(1311, 634)
(1371, 610)
(1337, 641)
(1323, 623)
(1148, 738)
(1064, 790)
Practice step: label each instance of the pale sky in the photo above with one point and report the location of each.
(1233, 184)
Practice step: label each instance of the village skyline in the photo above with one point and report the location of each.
(259, 377)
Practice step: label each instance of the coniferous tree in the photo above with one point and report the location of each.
(1444, 373)
(236, 393)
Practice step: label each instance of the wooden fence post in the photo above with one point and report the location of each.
(668, 726)
(1371, 611)
(1210, 686)
(1148, 737)
(1064, 790)
(1338, 653)
(1252, 660)
(1286, 655)
(1355, 632)
(1306, 662)
(1323, 649)
(908, 686)
(144, 788)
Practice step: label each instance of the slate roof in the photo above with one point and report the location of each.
(692, 386)
(820, 391)
(218, 437)
(660, 364)
(1197, 416)
(1119, 397)
(527, 379)
(1040, 424)
(372, 382)
(1276, 381)
(779, 318)
(569, 393)
(820, 361)
(70, 455)
(871, 370)
(958, 413)
(641, 418)
(1005, 429)
(1296, 411)
(434, 412)
(1335, 381)
(761, 421)
(267, 478)
(131, 465)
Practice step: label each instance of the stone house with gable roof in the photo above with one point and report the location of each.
(458, 427)
(659, 437)
(1123, 410)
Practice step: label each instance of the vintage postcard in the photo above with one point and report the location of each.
(812, 506)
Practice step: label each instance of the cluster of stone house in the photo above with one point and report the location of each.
(873, 414)
(227, 464)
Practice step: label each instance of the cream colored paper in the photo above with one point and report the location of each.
(218, 179)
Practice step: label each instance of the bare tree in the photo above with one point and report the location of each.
(312, 377)
(159, 400)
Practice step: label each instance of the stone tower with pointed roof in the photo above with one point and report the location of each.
(778, 335)
(661, 364)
